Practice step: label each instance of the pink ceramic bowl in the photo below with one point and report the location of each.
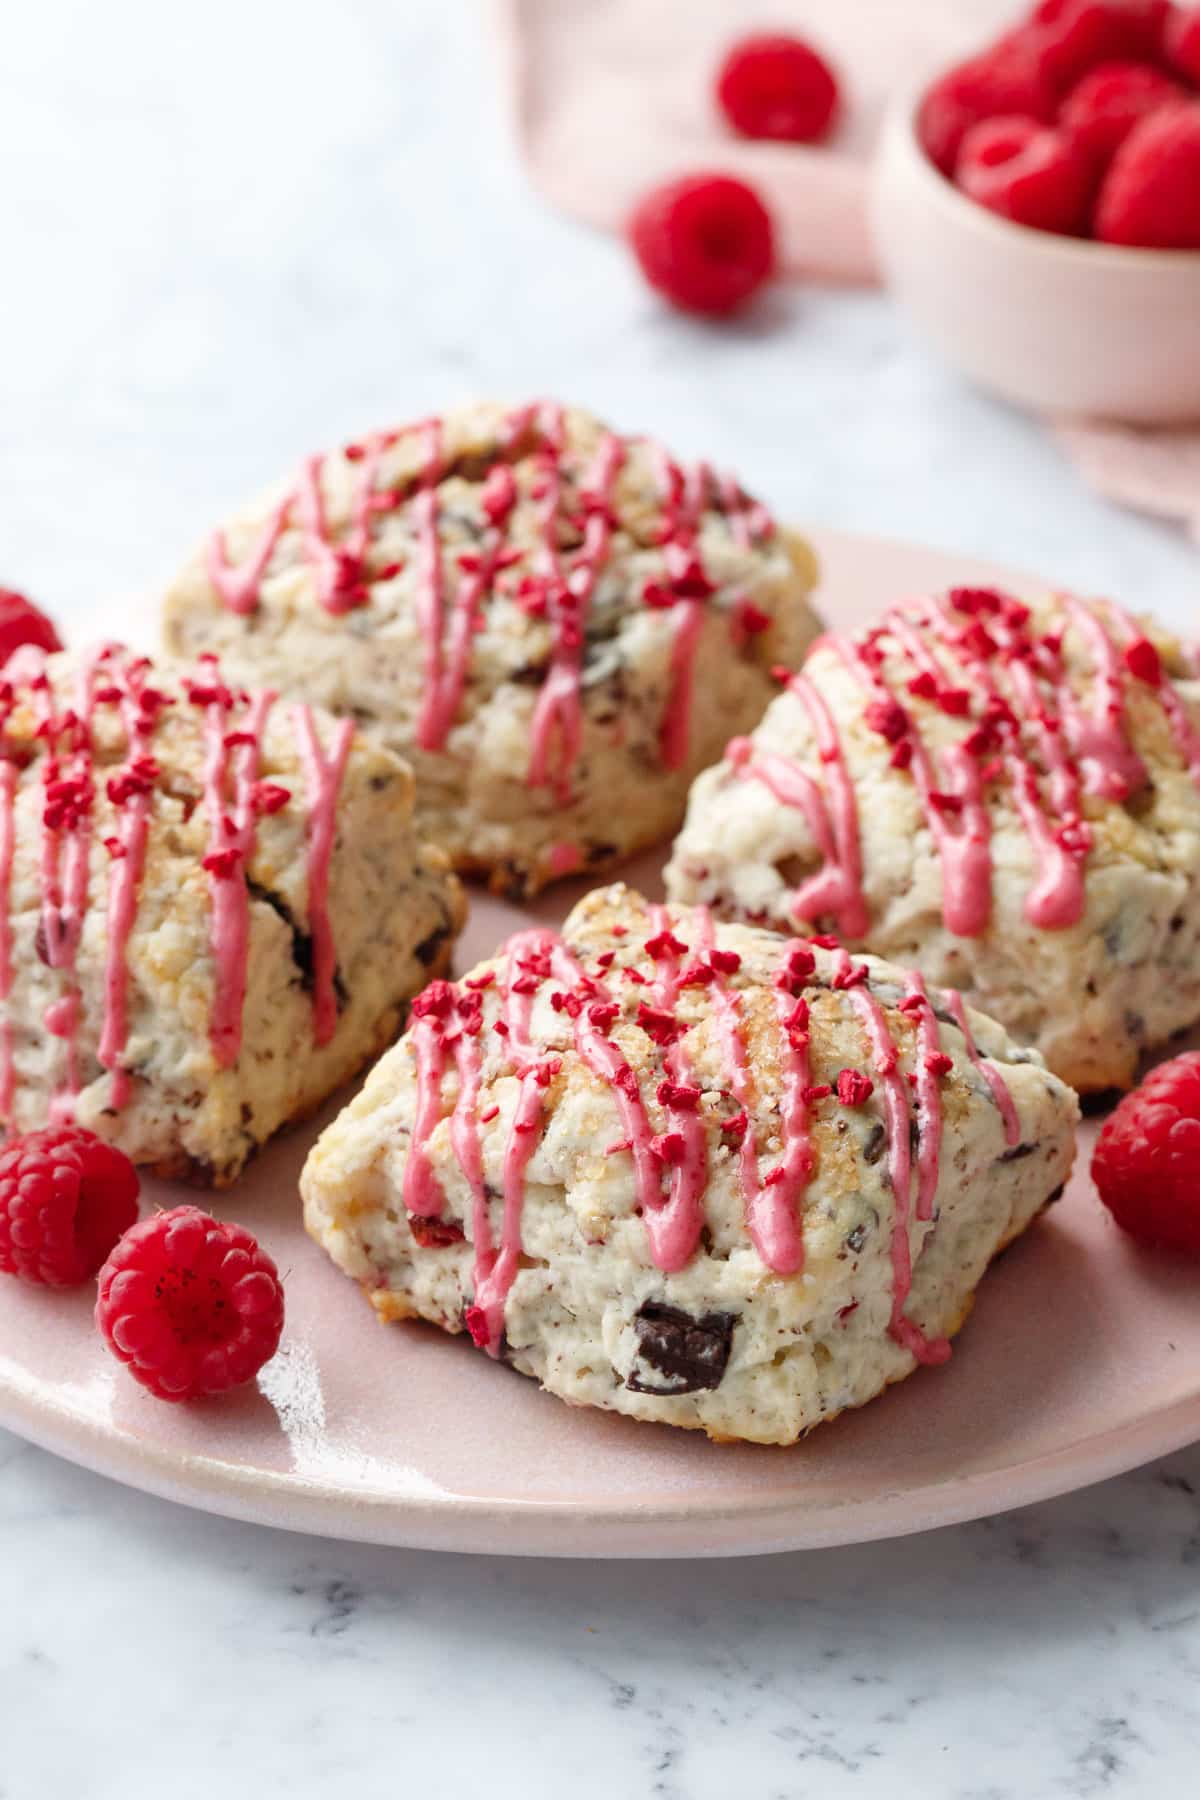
(1054, 323)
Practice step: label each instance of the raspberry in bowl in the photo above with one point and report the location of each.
(1036, 209)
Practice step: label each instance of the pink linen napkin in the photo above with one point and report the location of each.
(1156, 472)
(609, 96)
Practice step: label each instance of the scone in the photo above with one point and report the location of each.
(213, 906)
(697, 1173)
(557, 627)
(1006, 795)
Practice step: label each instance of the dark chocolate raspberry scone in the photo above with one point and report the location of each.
(1005, 793)
(691, 1172)
(556, 626)
(213, 906)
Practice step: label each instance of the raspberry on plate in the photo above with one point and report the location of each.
(704, 241)
(1182, 42)
(772, 85)
(1006, 79)
(191, 1304)
(21, 622)
(1026, 172)
(1146, 1164)
(1072, 36)
(65, 1198)
(1103, 108)
(1151, 194)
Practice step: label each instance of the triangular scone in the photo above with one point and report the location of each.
(691, 1172)
(1007, 795)
(213, 906)
(556, 625)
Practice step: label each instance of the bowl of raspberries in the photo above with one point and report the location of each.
(1036, 208)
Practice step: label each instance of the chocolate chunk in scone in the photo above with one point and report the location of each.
(688, 1171)
(678, 1354)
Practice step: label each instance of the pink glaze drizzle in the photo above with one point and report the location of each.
(323, 774)
(928, 1091)
(836, 888)
(964, 849)
(1111, 766)
(477, 570)
(68, 785)
(987, 1068)
(448, 1020)
(495, 1272)
(674, 1228)
(1020, 698)
(772, 1208)
(560, 587)
(340, 569)
(687, 588)
(112, 677)
(422, 1192)
(232, 747)
(677, 720)
(608, 1064)
(131, 790)
(895, 1107)
(430, 587)
(1060, 850)
(568, 596)
(239, 587)
(1184, 733)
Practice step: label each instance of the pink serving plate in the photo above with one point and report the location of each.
(1082, 1359)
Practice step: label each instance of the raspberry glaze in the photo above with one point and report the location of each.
(670, 1168)
(234, 798)
(557, 585)
(976, 655)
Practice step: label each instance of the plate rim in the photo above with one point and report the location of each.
(627, 1528)
(572, 1529)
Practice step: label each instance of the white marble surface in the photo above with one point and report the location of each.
(235, 231)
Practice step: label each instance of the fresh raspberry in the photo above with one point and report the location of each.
(775, 86)
(1069, 37)
(1103, 108)
(1007, 79)
(1146, 1164)
(1028, 173)
(65, 1198)
(22, 623)
(1182, 42)
(1151, 194)
(705, 241)
(190, 1303)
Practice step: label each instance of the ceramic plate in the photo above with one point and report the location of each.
(1081, 1359)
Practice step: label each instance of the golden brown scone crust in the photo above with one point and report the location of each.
(393, 908)
(1094, 995)
(475, 795)
(724, 1342)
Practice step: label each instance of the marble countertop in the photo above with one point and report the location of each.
(234, 232)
